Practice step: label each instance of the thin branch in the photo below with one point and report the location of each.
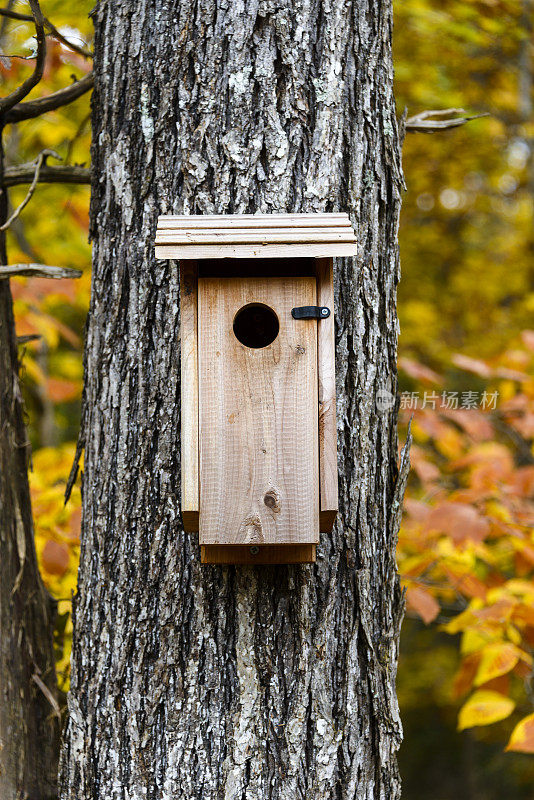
(38, 271)
(34, 108)
(30, 337)
(5, 12)
(7, 56)
(15, 176)
(426, 121)
(48, 694)
(41, 158)
(25, 88)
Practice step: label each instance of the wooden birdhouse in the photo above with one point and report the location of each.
(259, 455)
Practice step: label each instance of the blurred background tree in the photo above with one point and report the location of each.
(466, 300)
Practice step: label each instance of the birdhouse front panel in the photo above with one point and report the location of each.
(258, 398)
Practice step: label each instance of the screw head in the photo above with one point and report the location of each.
(324, 312)
(254, 550)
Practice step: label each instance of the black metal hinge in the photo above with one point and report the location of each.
(310, 312)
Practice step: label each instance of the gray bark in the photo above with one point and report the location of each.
(29, 726)
(210, 682)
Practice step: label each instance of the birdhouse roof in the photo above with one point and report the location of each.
(255, 235)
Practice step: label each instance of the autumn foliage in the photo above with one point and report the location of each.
(466, 547)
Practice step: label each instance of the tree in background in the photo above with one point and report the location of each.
(30, 719)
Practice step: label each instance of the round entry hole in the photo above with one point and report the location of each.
(256, 325)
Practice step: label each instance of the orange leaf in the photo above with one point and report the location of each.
(418, 371)
(423, 603)
(55, 558)
(25, 327)
(522, 738)
(497, 659)
(466, 583)
(460, 521)
(465, 676)
(472, 365)
(425, 469)
(501, 685)
(523, 614)
(60, 390)
(496, 612)
(523, 481)
(75, 522)
(473, 421)
(416, 508)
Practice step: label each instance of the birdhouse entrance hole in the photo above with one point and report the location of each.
(256, 325)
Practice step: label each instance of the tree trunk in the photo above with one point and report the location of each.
(208, 682)
(29, 726)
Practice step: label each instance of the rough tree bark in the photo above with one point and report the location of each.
(208, 682)
(29, 726)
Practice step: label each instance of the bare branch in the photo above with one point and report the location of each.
(25, 88)
(41, 158)
(426, 121)
(8, 56)
(48, 694)
(30, 337)
(5, 12)
(38, 271)
(15, 176)
(34, 108)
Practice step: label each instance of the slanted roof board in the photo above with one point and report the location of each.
(255, 235)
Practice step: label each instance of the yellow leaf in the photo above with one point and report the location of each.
(497, 659)
(484, 708)
(475, 639)
(464, 620)
(513, 634)
(522, 738)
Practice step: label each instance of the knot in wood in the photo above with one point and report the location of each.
(272, 500)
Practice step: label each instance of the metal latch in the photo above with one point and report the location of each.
(310, 312)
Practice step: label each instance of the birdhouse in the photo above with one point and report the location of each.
(258, 405)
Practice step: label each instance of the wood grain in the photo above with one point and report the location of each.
(298, 250)
(268, 554)
(189, 395)
(251, 235)
(253, 221)
(258, 417)
(326, 347)
(255, 235)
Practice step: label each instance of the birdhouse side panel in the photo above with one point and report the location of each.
(189, 396)
(326, 346)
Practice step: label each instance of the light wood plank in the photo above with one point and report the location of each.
(244, 236)
(254, 221)
(259, 481)
(311, 250)
(268, 554)
(326, 346)
(189, 395)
